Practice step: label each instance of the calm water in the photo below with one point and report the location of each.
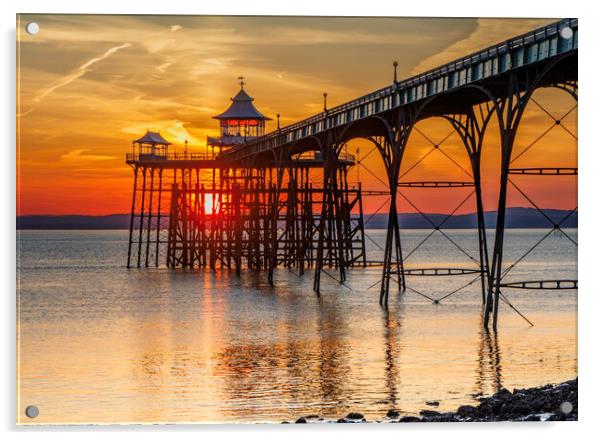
(100, 343)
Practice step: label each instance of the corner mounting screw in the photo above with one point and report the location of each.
(566, 408)
(32, 411)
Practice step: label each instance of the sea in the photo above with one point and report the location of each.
(100, 343)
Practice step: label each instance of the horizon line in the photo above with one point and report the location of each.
(365, 213)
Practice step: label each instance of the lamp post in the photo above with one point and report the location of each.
(395, 64)
(325, 95)
(357, 153)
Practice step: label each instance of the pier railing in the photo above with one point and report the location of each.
(144, 157)
(316, 156)
(308, 156)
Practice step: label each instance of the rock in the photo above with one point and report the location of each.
(521, 408)
(354, 416)
(557, 418)
(532, 418)
(533, 404)
(409, 419)
(445, 417)
(466, 411)
(503, 394)
(392, 413)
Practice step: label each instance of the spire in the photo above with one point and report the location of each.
(242, 106)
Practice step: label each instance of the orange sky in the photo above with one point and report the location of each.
(88, 85)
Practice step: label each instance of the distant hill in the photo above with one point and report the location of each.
(113, 221)
(515, 218)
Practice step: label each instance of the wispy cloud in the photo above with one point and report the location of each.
(78, 156)
(79, 72)
(25, 113)
(162, 67)
(174, 130)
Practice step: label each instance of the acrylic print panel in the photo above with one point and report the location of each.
(313, 219)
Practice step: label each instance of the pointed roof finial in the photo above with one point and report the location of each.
(241, 80)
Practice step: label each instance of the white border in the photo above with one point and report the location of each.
(590, 215)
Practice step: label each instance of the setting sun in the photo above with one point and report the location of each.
(208, 205)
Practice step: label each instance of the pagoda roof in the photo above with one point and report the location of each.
(152, 137)
(242, 108)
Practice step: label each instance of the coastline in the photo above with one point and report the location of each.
(543, 403)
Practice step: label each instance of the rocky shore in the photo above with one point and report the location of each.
(545, 403)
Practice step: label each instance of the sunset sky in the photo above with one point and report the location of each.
(88, 85)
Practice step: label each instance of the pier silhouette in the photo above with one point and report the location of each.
(283, 199)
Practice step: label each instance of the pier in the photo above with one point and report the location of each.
(261, 200)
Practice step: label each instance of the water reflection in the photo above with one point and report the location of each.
(489, 369)
(392, 337)
(159, 345)
(333, 361)
(288, 375)
(310, 373)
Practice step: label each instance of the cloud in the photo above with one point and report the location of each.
(79, 72)
(234, 31)
(174, 77)
(489, 31)
(78, 156)
(161, 68)
(25, 113)
(173, 130)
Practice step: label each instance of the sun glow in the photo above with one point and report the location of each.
(168, 100)
(208, 204)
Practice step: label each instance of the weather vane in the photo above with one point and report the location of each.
(242, 81)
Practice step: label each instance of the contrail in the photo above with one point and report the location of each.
(79, 72)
